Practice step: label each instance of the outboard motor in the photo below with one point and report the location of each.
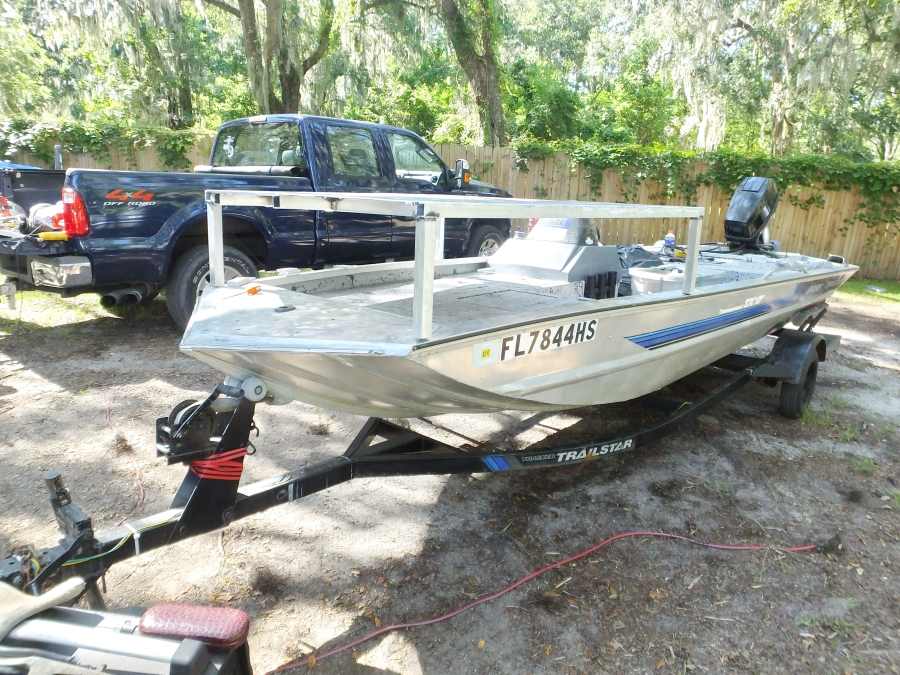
(749, 212)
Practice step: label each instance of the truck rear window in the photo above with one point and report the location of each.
(270, 144)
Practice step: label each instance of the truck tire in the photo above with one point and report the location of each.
(485, 240)
(191, 274)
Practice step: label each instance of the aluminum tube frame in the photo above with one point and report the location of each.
(450, 206)
(430, 212)
(216, 237)
(427, 227)
(695, 225)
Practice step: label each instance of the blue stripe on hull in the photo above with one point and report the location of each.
(683, 331)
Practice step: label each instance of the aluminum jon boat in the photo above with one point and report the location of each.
(541, 325)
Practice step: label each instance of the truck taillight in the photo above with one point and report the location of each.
(75, 215)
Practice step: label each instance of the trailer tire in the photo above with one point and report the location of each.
(191, 273)
(796, 397)
(485, 240)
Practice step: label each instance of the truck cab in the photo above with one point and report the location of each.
(130, 234)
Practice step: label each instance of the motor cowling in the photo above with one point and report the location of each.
(749, 212)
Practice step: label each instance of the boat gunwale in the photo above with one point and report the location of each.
(625, 305)
(402, 349)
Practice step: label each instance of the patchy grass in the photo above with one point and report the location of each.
(267, 582)
(860, 288)
(865, 466)
(830, 626)
(817, 418)
(319, 429)
(849, 433)
(840, 403)
(37, 310)
(121, 446)
(823, 419)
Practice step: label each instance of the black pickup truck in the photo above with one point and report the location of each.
(130, 234)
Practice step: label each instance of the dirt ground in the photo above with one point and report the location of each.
(80, 390)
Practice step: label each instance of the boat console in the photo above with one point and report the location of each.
(567, 250)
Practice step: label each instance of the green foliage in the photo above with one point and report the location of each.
(22, 61)
(681, 172)
(540, 104)
(423, 97)
(98, 139)
(882, 290)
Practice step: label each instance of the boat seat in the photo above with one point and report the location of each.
(559, 261)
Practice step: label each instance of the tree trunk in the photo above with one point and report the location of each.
(257, 68)
(271, 60)
(184, 110)
(477, 56)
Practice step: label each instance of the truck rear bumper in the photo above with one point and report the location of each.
(43, 265)
(68, 271)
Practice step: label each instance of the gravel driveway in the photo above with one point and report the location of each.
(80, 390)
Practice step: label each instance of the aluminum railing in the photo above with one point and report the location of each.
(430, 212)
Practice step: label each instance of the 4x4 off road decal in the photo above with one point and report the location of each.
(548, 339)
(118, 197)
(585, 453)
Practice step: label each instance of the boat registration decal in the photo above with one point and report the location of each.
(549, 339)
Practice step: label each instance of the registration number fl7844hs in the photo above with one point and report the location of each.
(551, 338)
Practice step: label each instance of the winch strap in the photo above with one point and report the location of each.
(227, 465)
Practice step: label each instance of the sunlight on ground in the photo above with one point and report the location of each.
(48, 309)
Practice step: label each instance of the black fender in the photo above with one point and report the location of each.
(249, 227)
(794, 350)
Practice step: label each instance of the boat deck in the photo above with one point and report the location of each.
(471, 303)
(381, 313)
(370, 309)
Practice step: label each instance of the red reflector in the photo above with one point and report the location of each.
(75, 215)
(221, 627)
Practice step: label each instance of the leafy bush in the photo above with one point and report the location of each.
(97, 139)
(681, 172)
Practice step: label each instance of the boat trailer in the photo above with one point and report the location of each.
(213, 437)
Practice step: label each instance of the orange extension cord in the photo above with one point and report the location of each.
(310, 660)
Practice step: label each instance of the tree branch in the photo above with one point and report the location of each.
(326, 21)
(225, 7)
(375, 4)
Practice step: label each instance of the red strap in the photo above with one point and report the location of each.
(222, 466)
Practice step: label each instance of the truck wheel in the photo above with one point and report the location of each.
(795, 397)
(191, 275)
(485, 240)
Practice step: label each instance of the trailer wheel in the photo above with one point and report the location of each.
(191, 275)
(795, 397)
(485, 240)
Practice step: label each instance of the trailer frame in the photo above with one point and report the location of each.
(199, 431)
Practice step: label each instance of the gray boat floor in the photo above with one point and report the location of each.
(464, 304)
(380, 313)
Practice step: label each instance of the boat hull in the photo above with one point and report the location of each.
(620, 351)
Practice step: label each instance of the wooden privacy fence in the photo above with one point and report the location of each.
(816, 230)
(822, 228)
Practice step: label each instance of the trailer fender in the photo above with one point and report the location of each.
(794, 350)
